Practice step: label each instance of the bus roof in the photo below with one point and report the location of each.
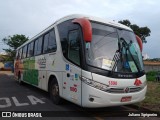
(113, 23)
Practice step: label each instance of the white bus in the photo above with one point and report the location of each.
(86, 60)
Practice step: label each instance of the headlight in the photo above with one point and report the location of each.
(95, 84)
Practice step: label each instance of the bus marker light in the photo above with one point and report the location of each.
(126, 99)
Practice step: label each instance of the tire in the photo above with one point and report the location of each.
(54, 92)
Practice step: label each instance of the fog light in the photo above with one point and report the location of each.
(91, 99)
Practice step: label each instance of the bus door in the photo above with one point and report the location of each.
(71, 80)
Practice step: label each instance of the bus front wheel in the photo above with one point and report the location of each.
(54, 92)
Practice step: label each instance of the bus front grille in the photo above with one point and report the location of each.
(125, 90)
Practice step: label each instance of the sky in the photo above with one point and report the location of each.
(29, 17)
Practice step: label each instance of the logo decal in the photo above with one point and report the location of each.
(76, 76)
(127, 90)
(67, 67)
(137, 82)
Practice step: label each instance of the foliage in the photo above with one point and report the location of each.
(142, 32)
(13, 42)
(154, 59)
(151, 75)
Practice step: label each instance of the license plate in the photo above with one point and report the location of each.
(126, 99)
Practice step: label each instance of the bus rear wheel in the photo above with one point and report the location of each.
(54, 92)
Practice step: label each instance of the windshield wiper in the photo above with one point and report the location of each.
(126, 46)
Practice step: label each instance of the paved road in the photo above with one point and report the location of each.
(21, 98)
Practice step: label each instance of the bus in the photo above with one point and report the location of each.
(86, 60)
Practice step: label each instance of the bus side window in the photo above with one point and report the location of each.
(30, 50)
(74, 46)
(52, 42)
(20, 53)
(29, 47)
(35, 46)
(17, 55)
(45, 45)
(39, 49)
(38, 46)
(24, 51)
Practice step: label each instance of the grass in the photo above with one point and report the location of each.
(152, 100)
(151, 75)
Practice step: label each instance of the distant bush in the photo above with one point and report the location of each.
(151, 76)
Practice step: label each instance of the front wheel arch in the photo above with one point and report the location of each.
(53, 89)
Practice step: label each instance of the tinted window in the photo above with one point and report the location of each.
(45, 45)
(68, 40)
(35, 47)
(63, 29)
(30, 50)
(39, 49)
(49, 42)
(52, 41)
(20, 53)
(38, 46)
(74, 47)
(24, 51)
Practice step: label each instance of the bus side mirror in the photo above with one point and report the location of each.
(86, 28)
(139, 42)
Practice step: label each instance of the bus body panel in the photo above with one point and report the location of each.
(72, 83)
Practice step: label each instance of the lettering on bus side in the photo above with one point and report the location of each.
(112, 82)
(42, 62)
(73, 88)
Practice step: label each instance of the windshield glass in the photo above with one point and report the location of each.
(113, 49)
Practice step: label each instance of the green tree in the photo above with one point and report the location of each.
(142, 32)
(13, 42)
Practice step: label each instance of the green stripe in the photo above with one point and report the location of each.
(30, 73)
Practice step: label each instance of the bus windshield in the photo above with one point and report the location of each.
(113, 49)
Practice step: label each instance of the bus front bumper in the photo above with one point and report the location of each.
(92, 97)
